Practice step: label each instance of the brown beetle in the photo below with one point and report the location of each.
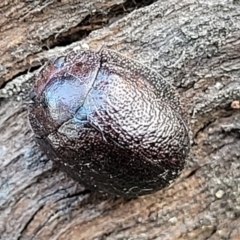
(110, 122)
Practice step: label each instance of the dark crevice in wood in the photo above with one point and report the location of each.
(81, 193)
(193, 172)
(29, 222)
(212, 233)
(93, 22)
(202, 129)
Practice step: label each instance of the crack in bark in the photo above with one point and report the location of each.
(29, 222)
(193, 172)
(95, 21)
(77, 194)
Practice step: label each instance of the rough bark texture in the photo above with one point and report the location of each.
(195, 44)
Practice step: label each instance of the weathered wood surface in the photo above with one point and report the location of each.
(196, 46)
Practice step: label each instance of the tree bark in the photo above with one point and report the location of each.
(195, 45)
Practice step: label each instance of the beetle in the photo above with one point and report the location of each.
(110, 122)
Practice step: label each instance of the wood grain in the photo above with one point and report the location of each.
(196, 46)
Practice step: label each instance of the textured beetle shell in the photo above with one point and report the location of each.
(110, 122)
